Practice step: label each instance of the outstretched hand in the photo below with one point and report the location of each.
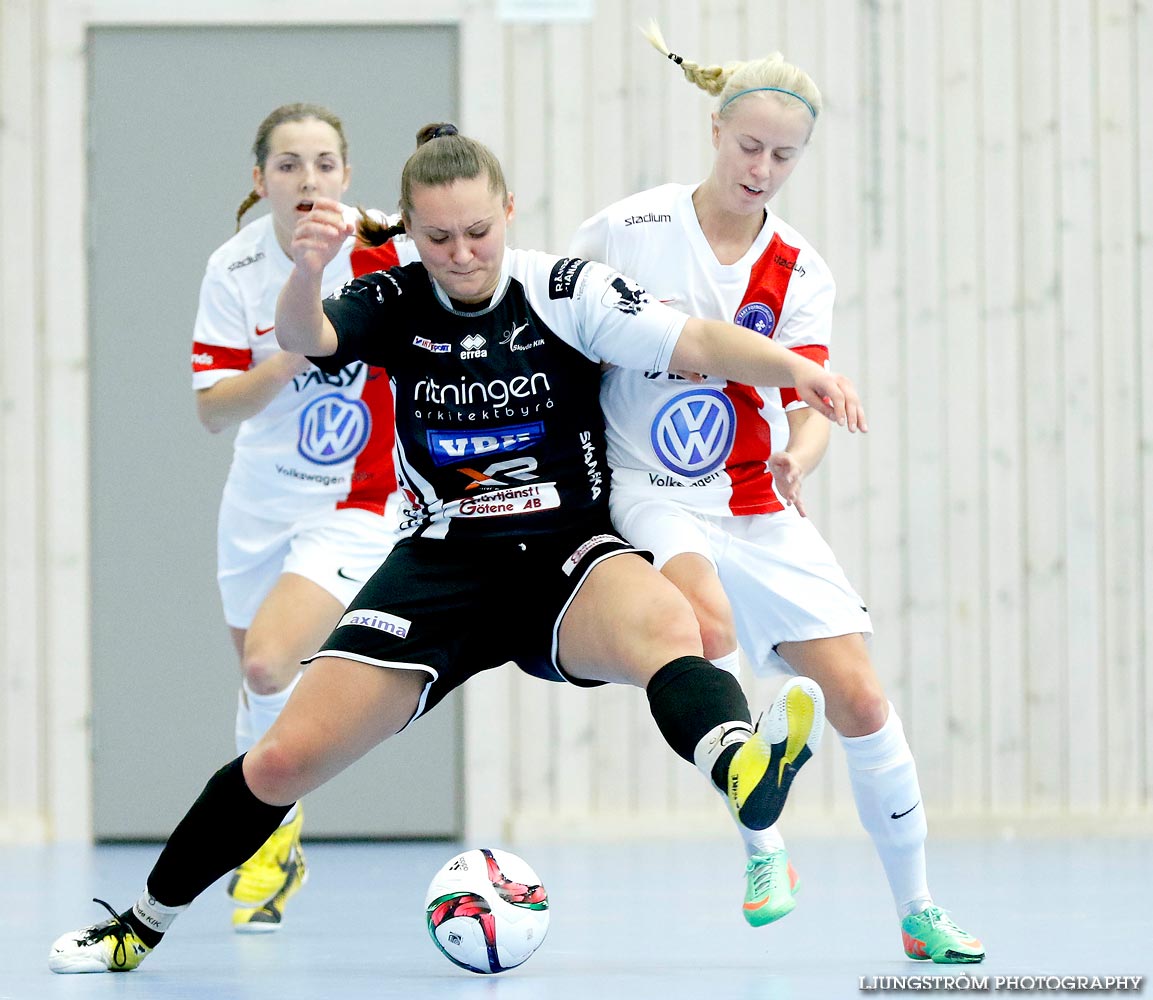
(319, 235)
(833, 396)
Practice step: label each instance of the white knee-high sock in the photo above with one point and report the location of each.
(884, 779)
(730, 662)
(762, 841)
(255, 714)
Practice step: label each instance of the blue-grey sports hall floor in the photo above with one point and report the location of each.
(628, 921)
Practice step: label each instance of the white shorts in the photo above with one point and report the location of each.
(780, 576)
(335, 549)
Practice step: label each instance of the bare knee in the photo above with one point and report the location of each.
(855, 702)
(718, 633)
(860, 707)
(276, 773)
(266, 669)
(697, 580)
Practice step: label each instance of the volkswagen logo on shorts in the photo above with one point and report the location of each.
(693, 432)
(333, 429)
(758, 317)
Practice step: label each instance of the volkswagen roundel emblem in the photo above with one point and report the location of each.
(333, 429)
(693, 432)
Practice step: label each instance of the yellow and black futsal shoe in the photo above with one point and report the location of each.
(109, 946)
(785, 737)
(277, 869)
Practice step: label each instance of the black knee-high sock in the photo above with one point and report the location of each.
(689, 697)
(222, 830)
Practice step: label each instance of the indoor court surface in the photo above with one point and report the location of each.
(629, 920)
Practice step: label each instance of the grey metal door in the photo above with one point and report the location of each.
(172, 115)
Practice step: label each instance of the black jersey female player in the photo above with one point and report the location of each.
(494, 356)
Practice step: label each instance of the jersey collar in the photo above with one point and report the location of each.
(497, 295)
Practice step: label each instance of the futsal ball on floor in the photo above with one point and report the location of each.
(486, 910)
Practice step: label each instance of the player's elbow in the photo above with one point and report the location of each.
(208, 415)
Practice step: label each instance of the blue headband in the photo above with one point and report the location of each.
(779, 90)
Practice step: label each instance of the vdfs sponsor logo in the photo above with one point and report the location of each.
(204, 360)
(333, 429)
(509, 339)
(448, 446)
(693, 432)
(471, 346)
(758, 317)
(429, 345)
(379, 620)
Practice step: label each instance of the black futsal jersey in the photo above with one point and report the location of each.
(499, 430)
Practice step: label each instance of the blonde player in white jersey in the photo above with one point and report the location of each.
(707, 473)
(302, 521)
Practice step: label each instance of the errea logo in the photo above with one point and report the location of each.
(471, 346)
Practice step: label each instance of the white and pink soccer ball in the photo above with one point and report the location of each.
(486, 910)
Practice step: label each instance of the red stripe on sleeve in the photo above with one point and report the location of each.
(213, 357)
(814, 352)
(366, 259)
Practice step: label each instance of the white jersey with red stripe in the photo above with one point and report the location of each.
(707, 445)
(324, 441)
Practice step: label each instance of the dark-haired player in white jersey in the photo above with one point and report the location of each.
(494, 357)
(707, 471)
(302, 521)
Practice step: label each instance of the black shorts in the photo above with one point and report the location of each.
(454, 608)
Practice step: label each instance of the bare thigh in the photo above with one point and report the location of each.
(291, 623)
(625, 623)
(339, 711)
(696, 578)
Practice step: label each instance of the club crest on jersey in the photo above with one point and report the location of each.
(693, 432)
(758, 317)
(508, 338)
(626, 295)
(333, 429)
